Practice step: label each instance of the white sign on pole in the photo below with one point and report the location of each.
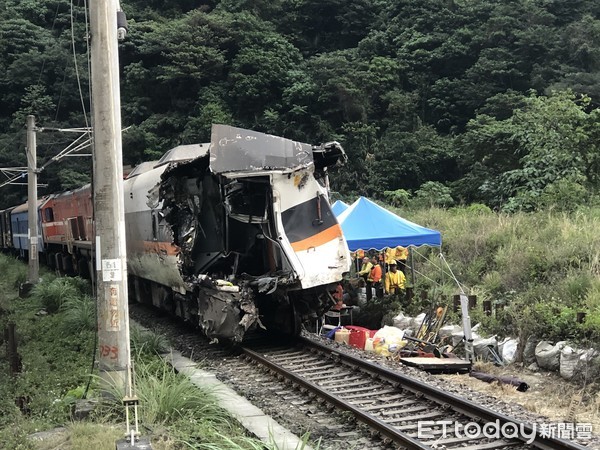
(111, 270)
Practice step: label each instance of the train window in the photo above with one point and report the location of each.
(248, 202)
(48, 215)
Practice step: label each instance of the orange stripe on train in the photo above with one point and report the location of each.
(318, 239)
(157, 247)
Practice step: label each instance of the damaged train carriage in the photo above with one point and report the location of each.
(236, 234)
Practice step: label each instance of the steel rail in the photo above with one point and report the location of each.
(441, 397)
(378, 425)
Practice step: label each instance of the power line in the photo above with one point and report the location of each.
(75, 64)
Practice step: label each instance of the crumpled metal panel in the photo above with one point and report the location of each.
(225, 315)
(239, 150)
(183, 153)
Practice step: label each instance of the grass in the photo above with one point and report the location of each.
(147, 342)
(56, 351)
(521, 261)
(79, 314)
(54, 292)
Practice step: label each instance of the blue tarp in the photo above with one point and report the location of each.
(367, 225)
(338, 207)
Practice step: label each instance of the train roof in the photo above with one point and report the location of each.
(141, 168)
(183, 153)
(71, 191)
(25, 206)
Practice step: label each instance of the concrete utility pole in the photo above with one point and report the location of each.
(110, 250)
(109, 212)
(32, 200)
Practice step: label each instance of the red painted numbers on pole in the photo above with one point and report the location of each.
(108, 351)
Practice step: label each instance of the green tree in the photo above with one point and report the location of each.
(514, 160)
(433, 193)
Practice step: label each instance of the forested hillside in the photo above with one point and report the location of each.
(457, 101)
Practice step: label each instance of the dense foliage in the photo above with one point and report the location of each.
(495, 101)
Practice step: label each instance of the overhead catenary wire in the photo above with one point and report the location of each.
(45, 53)
(76, 67)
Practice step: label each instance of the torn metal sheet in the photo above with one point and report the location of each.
(235, 149)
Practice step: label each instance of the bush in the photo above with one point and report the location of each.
(563, 195)
(54, 293)
(590, 328)
(145, 342)
(433, 193)
(13, 271)
(20, 276)
(397, 198)
(478, 209)
(79, 314)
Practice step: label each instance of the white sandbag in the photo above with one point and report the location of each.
(402, 322)
(588, 365)
(388, 340)
(569, 361)
(449, 330)
(507, 349)
(389, 333)
(417, 321)
(578, 364)
(480, 347)
(547, 355)
(589, 355)
(457, 337)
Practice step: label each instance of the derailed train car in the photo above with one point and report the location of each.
(237, 234)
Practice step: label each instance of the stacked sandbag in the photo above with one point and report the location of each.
(402, 322)
(417, 321)
(507, 349)
(481, 347)
(574, 361)
(547, 355)
(529, 351)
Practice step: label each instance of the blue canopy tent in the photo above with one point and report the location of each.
(339, 207)
(367, 225)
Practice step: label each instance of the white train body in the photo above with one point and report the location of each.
(237, 233)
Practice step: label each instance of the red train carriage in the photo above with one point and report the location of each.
(68, 229)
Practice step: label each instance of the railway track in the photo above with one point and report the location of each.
(403, 411)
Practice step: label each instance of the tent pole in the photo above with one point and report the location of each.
(441, 266)
(412, 265)
(383, 271)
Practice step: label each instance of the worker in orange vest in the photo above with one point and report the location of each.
(374, 280)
